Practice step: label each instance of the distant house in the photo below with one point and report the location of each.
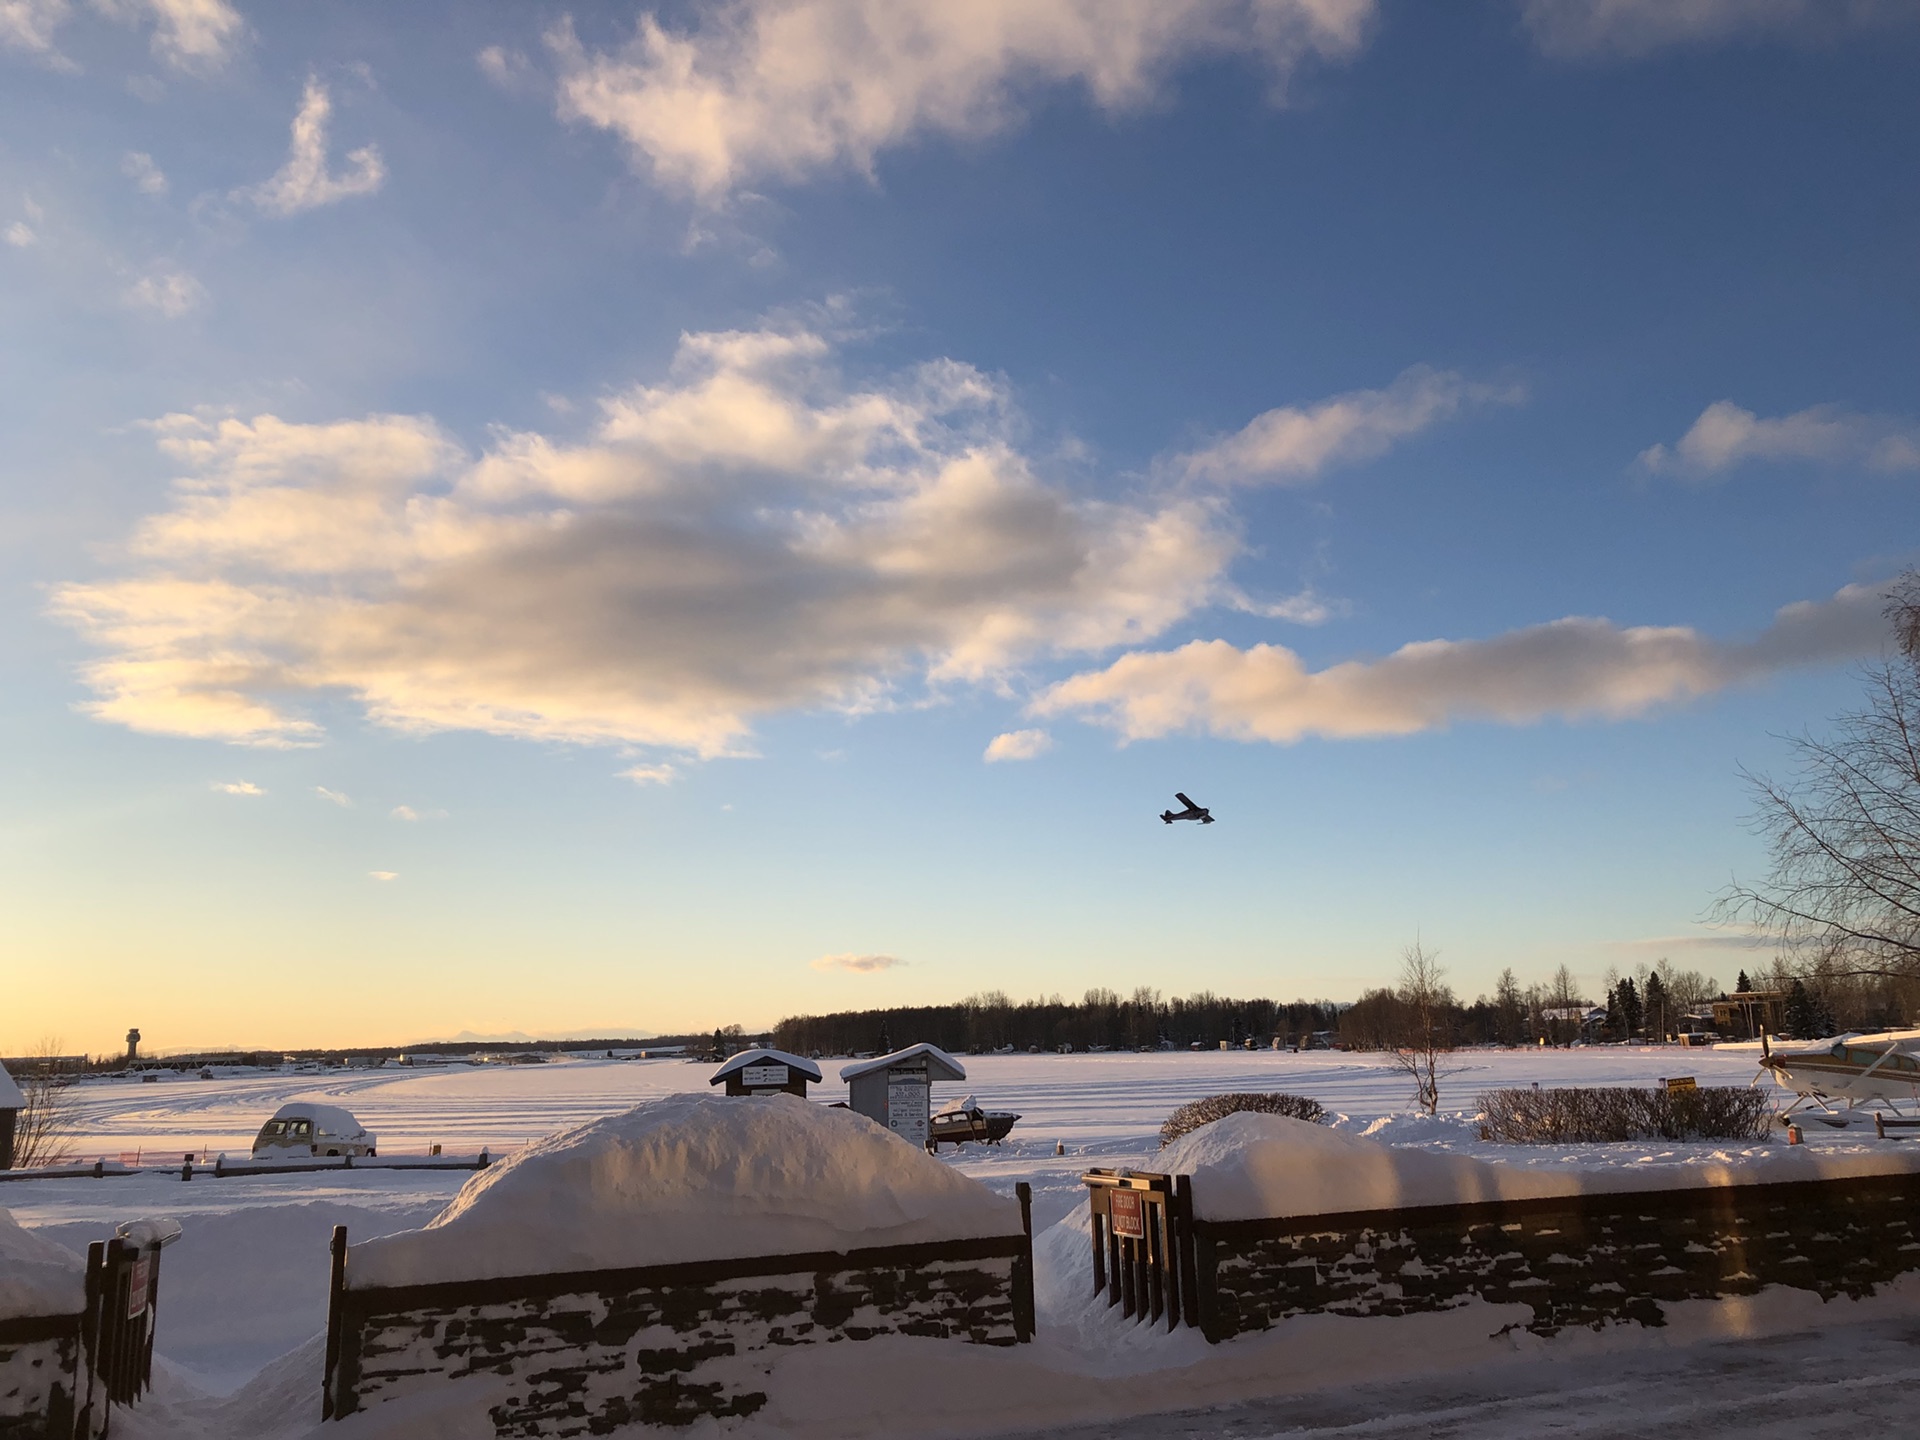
(1745, 1013)
(1567, 1023)
(12, 1102)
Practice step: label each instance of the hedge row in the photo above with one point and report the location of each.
(1546, 1117)
(1215, 1107)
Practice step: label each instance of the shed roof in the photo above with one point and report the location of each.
(766, 1057)
(940, 1065)
(10, 1096)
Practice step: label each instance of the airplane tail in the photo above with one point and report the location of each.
(1166, 817)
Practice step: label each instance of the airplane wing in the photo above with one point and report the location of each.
(1185, 801)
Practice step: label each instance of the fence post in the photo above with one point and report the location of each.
(336, 1283)
(90, 1339)
(1023, 1314)
(1184, 1251)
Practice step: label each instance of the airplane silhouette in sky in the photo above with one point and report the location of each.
(1192, 812)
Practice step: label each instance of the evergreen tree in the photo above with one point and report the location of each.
(1741, 984)
(1801, 1021)
(1631, 1014)
(1656, 1007)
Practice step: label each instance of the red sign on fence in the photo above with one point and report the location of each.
(1128, 1214)
(137, 1287)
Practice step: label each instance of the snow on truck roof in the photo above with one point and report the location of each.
(940, 1065)
(330, 1118)
(766, 1057)
(690, 1177)
(1250, 1166)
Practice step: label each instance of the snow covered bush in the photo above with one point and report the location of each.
(1546, 1117)
(1204, 1112)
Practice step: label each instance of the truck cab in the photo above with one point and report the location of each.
(301, 1128)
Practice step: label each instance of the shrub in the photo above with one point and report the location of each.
(1204, 1112)
(1546, 1117)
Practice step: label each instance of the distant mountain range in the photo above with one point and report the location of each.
(523, 1037)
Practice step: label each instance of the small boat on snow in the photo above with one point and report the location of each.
(959, 1121)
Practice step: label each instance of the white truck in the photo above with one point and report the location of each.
(302, 1128)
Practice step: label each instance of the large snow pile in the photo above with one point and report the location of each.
(37, 1277)
(690, 1178)
(1251, 1166)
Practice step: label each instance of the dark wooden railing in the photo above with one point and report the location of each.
(1143, 1245)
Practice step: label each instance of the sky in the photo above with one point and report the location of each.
(599, 518)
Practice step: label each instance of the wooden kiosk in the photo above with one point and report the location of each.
(767, 1072)
(897, 1090)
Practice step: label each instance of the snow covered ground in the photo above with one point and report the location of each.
(246, 1285)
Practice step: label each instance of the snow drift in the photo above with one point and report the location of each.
(690, 1178)
(1250, 1166)
(37, 1277)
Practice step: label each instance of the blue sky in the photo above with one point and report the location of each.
(568, 518)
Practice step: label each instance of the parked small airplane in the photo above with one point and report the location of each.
(1853, 1070)
(1192, 812)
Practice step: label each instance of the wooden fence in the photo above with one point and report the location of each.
(102, 1356)
(553, 1333)
(1143, 1245)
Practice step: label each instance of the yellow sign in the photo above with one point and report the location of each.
(1681, 1082)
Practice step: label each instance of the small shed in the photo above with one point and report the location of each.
(897, 1089)
(12, 1102)
(767, 1072)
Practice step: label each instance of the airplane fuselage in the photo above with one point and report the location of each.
(1850, 1071)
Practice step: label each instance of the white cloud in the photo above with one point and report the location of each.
(170, 292)
(858, 964)
(752, 534)
(1293, 446)
(20, 235)
(147, 178)
(188, 35)
(651, 774)
(332, 796)
(383, 875)
(237, 787)
(405, 812)
(1018, 745)
(30, 24)
(1567, 669)
(304, 182)
(1726, 435)
(789, 87)
(1590, 29)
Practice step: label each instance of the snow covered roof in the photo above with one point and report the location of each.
(690, 1177)
(10, 1096)
(766, 1057)
(329, 1118)
(1251, 1166)
(940, 1065)
(955, 1107)
(37, 1277)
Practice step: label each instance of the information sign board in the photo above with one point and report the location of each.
(1127, 1212)
(1681, 1082)
(137, 1281)
(753, 1076)
(908, 1108)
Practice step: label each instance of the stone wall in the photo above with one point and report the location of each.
(580, 1354)
(1586, 1260)
(39, 1359)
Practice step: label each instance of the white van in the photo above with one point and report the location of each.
(302, 1128)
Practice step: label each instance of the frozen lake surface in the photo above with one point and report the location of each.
(247, 1283)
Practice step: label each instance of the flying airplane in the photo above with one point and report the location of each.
(1854, 1070)
(1192, 812)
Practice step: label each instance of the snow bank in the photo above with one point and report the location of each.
(1250, 1166)
(690, 1178)
(37, 1277)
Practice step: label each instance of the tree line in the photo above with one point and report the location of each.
(1101, 1019)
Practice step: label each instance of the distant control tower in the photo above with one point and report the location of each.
(133, 1048)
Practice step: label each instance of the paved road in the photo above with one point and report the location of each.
(1851, 1381)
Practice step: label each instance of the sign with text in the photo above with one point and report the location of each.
(1127, 1212)
(908, 1106)
(137, 1282)
(1680, 1083)
(753, 1075)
